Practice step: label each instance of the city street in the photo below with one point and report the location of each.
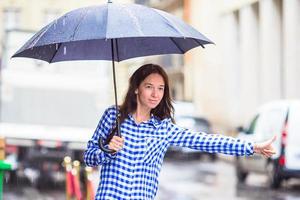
(189, 180)
(196, 180)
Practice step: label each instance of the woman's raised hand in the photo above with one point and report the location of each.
(265, 148)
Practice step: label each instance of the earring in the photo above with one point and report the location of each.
(136, 92)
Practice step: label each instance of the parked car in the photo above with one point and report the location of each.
(280, 118)
(195, 124)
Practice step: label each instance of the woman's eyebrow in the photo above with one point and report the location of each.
(152, 84)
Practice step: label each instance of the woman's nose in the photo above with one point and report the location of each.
(154, 92)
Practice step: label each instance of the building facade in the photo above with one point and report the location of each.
(255, 59)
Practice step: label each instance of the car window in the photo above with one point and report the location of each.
(252, 125)
(271, 123)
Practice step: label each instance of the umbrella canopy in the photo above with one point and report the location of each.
(113, 32)
(86, 34)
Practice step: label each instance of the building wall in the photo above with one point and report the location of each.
(291, 46)
(254, 60)
(208, 80)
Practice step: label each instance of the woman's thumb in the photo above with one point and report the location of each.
(272, 139)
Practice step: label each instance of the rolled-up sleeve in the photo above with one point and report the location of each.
(212, 143)
(93, 156)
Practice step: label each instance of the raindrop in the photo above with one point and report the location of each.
(56, 46)
(55, 22)
(64, 22)
(65, 50)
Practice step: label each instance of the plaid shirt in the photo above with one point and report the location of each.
(132, 173)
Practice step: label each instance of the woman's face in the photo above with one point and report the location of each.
(151, 91)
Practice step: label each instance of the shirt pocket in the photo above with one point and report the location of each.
(154, 147)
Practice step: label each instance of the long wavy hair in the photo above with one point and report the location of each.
(163, 110)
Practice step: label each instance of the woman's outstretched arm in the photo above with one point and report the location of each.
(215, 143)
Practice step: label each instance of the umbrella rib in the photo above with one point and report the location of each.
(177, 45)
(106, 21)
(54, 54)
(200, 44)
(36, 39)
(172, 25)
(77, 27)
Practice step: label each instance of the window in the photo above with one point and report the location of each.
(11, 18)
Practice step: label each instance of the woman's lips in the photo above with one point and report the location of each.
(153, 101)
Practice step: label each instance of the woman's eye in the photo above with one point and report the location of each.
(161, 89)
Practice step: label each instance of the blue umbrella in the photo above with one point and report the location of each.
(113, 32)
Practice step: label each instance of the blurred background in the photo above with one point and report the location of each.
(49, 111)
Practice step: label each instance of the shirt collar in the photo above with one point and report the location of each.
(153, 120)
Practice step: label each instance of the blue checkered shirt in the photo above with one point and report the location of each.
(132, 173)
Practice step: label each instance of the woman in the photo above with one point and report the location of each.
(147, 131)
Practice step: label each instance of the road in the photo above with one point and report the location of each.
(188, 180)
(198, 180)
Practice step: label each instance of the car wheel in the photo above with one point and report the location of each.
(241, 174)
(274, 177)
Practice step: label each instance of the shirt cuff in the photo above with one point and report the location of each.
(105, 157)
(249, 148)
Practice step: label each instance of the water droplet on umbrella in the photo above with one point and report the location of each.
(64, 22)
(134, 19)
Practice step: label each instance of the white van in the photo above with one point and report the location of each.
(281, 118)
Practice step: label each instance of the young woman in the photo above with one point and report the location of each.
(148, 130)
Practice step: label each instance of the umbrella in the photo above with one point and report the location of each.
(113, 32)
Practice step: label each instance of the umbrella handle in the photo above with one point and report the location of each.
(103, 148)
(116, 131)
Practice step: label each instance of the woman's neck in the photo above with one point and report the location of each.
(141, 115)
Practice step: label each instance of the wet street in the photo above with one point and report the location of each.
(198, 180)
(188, 180)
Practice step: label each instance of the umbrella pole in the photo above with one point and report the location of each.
(101, 142)
(115, 88)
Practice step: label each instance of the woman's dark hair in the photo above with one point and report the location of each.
(164, 109)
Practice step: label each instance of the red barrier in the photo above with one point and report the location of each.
(73, 185)
(73, 190)
(90, 194)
